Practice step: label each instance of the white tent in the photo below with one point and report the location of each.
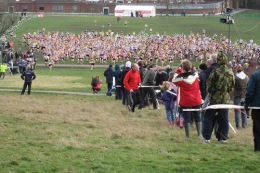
(135, 11)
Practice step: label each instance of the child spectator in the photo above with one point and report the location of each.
(96, 84)
(169, 98)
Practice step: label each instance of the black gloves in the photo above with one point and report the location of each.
(246, 110)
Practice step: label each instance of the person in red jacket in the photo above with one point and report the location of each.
(96, 84)
(189, 96)
(132, 81)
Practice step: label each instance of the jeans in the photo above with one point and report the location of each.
(238, 115)
(133, 99)
(187, 115)
(109, 89)
(171, 114)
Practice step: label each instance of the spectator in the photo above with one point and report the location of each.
(28, 76)
(241, 80)
(118, 83)
(108, 73)
(3, 68)
(21, 65)
(219, 85)
(123, 74)
(132, 81)
(202, 77)
(9, 55)
(149, 83)
(168, 69)
(11, 66)
(253, 99)
(169, 98)
(189, 95)
(211, 65)
(161, 76)
(96, 84)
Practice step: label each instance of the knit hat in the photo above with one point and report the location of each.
(203, 66)
(110, 65)
(128, 64)
(222, 58)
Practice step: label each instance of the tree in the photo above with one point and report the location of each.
(6, 19)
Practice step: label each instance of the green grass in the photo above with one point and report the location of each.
(60, 79)
(63, 133)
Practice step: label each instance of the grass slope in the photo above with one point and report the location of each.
(62, 133)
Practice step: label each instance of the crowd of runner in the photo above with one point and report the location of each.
(103, 47)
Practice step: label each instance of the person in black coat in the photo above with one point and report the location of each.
(202, 77)
(252, 99)
(28, 76)
(117, 75)
(161, 76)
(212, 65)
(109, 73)
(125, 70)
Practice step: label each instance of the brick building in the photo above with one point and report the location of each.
(108, 6)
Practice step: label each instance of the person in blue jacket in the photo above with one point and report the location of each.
(169, 98)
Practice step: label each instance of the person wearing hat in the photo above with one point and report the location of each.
(109, 73)
(118, 82)
(202, 77)
(28, 76)
(219, 85)
(241, 80)
(123, 74)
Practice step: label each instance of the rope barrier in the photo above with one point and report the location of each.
(141, 86)
(221, 106)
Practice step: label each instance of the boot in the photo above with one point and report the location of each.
(198, 126)
(177, 121)
(187, 129)
(181, 123)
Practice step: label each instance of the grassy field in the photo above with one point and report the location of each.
(74, 133)
(64, 133)
(60, 79)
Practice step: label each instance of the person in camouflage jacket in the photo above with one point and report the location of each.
(219, 85)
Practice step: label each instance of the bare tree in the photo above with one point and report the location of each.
(4, 6)
(7, 18)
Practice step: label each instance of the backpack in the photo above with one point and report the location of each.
(94, 81)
